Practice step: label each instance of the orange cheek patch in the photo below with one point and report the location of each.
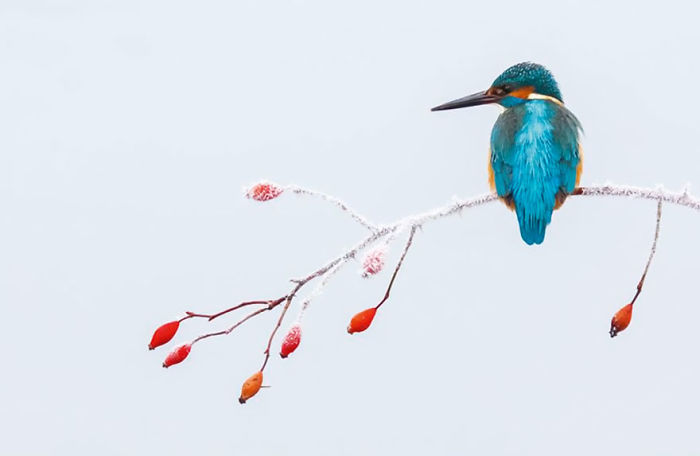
(522, 92)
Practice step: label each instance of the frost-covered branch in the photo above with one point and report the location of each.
(266, 191)
(381, 236)
(683, 198)
(359, 218)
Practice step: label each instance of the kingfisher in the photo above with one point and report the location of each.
(535, 158)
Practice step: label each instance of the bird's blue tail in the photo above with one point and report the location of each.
(534, 214)
(532, 229)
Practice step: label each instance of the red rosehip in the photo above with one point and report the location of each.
(164, 334)
(621, 320)
(362, 320)
(264, 191)
(178, 355)
(291, 341)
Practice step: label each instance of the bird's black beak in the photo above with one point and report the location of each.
(476, 99)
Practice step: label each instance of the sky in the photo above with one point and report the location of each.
(130, 128)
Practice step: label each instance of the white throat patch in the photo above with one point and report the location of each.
(539, 96)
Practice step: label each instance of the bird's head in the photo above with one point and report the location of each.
(518, 84)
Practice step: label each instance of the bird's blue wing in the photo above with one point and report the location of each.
(503, 150)
(566, 128)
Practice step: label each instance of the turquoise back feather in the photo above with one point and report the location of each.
(534, 155)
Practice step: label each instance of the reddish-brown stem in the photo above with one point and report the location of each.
(270, 305)
(210, 317)
(398, 266)
(640, 285)
(279, 322)
(653, 247)
(651, 253)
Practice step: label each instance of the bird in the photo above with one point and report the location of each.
(535, 156)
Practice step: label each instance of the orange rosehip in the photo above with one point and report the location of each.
(178, 355)
(291, 341)
(164, 334)
(621, 320)
(362, 320)
(251, 387)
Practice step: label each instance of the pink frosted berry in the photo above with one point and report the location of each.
(264, 191)
(373, 261)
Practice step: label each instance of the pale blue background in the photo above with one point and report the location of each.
(129, 127)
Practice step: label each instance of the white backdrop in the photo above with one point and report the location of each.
(130, 127)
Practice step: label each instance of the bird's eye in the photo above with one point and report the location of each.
(501, 90)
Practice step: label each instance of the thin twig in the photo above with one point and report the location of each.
(230, 330)
(362, 220)
(318, 289)
(279, 323)
(651, 253)
(210, 317)
(398, 265)
(351, 253)
(653, 248)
